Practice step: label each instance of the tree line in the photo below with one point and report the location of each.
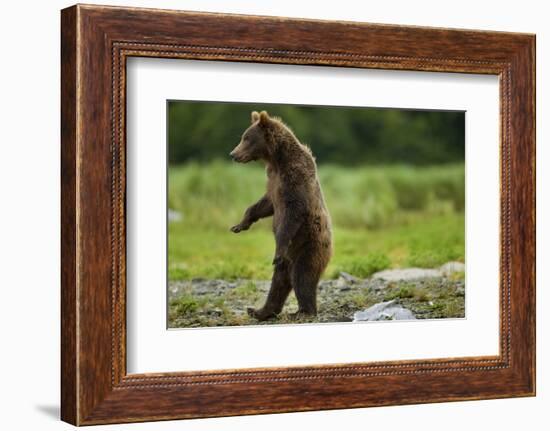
(205, 131)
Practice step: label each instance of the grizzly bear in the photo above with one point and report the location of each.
(301, 221)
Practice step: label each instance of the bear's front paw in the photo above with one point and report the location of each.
(239, 227)
(260, 314)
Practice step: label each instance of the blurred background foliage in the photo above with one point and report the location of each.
(393, 182)
(216, 193)
(200, 131)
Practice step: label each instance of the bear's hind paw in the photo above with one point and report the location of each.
(260, 314)
(303, 316)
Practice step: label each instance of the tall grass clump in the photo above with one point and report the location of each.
(214, 194)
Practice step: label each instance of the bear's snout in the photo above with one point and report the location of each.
(238, 155)
(235, 156)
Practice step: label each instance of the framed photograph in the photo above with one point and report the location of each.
(264, 214)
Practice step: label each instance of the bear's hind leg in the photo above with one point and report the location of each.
(280, 288)
(305, 277)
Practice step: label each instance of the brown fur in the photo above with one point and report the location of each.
(301, 221)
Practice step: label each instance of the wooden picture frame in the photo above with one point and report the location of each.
(95, 43)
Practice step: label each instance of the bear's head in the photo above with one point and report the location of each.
(254, 145)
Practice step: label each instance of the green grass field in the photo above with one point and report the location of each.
(392, 216)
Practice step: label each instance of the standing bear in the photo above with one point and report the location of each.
(301, 221)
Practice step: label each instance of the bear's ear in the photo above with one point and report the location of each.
(264, 118)
(254, 117)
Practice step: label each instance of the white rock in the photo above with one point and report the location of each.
(407, 274)
(388, 310)
(174, 215)
(341, 282)
(348, 277)
(452, 267)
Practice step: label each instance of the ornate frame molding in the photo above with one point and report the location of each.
(96, 41)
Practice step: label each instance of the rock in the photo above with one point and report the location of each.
(174, 215)
(325, 284)
(340, 282)
(177, 288)
(376, 284)
(215, 312)
(388, 310)
(198, 280)
(450, 268)
(263, 286)
(202, 290)
(202, 286)
(348, 277)
(406, 274)
(343, 285)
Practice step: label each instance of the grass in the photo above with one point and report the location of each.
(248, 290)
(212, 194)
(407, 291)
(220, 254)
(383, 217)
(361, 266)
(429, 299)
(185, 305)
